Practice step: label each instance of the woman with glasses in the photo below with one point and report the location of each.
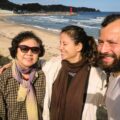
(22, 86)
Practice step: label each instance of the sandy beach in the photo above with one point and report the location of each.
(9, 30)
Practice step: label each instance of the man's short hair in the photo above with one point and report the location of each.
(109, 19)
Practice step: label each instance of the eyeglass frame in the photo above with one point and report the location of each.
(22, 47)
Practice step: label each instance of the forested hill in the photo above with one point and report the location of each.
(35, 7)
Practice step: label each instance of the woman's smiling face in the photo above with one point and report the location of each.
(29, 58)
(69, 50)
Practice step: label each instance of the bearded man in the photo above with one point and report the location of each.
(109, 60)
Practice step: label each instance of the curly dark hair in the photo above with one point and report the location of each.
(24, 36)
(109, 19)
(78, 35)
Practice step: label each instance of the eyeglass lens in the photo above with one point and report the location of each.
(25, 49)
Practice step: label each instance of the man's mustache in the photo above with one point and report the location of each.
(105, 55)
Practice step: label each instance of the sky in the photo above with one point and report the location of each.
(103, 5)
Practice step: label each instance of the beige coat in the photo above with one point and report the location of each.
(95, 92)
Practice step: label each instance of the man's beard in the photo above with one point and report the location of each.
(114, 67)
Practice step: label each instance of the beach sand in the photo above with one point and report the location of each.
(9, 30)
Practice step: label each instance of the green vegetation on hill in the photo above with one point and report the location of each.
(35, 7)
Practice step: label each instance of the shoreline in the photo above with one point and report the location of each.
(11, 13)
(9, 30)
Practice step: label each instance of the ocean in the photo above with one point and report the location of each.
(90, 21)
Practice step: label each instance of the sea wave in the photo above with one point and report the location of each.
(89, 21)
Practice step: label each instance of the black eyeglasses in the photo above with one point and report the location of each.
(25, 49)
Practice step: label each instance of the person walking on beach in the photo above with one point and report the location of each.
(109, 60)
(22, 85)
(74, 88)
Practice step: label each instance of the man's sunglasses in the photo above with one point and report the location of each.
(25, 49)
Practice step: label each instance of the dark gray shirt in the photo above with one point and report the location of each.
(113, 98)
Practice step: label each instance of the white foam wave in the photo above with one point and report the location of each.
(55, 19)
(85, 26)
(89, 23)
(97, 19)
(50, 29)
